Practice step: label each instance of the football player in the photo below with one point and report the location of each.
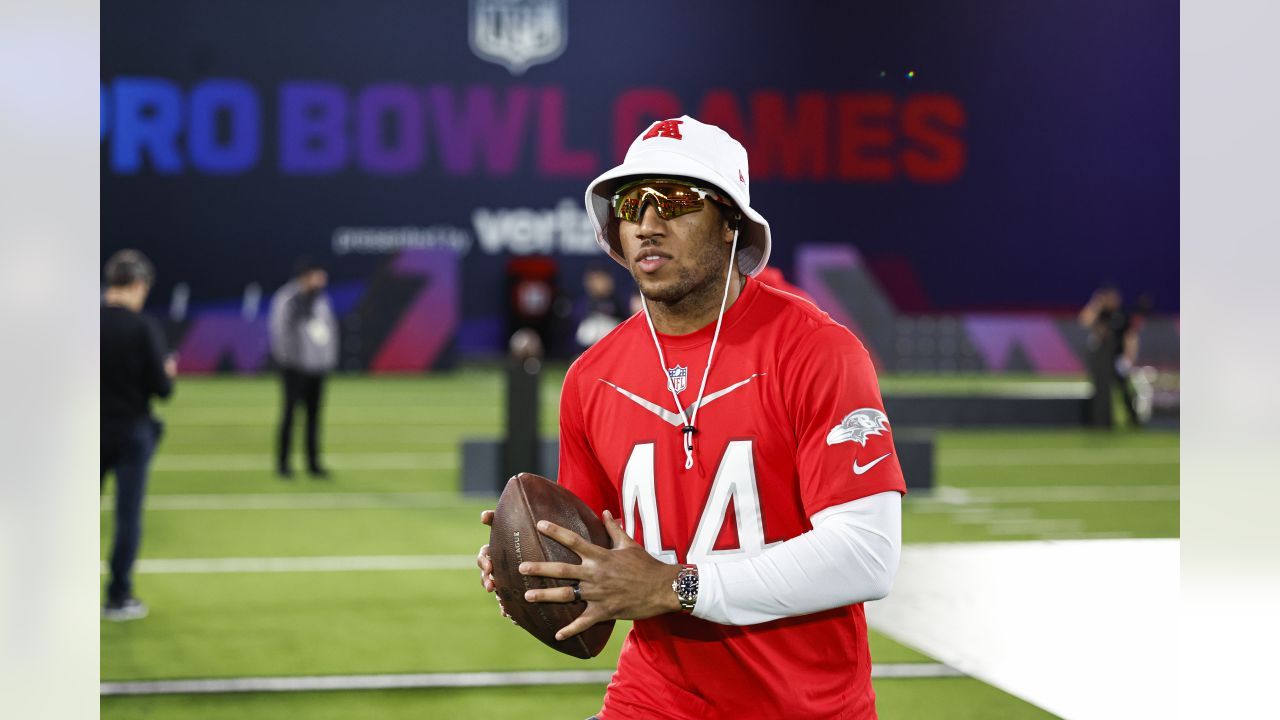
(734, 440)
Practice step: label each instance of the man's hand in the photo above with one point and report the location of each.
(482, 559)
(625, 583)
(486, 565)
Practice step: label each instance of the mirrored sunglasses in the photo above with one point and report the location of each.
(670, 198)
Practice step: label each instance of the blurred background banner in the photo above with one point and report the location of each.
(953, 180)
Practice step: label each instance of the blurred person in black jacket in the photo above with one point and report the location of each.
(135, 366)
(1113, 349)
(602, 313)
(304, 344)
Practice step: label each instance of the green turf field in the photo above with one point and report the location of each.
(229, 551)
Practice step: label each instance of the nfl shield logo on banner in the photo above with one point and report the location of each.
(519, 33)
(678, 377)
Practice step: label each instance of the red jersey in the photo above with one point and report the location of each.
(791, 423)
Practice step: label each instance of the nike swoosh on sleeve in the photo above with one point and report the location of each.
(859, 469)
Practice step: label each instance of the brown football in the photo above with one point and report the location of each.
(514, 538)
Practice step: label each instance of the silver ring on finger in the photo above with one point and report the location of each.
(577, 592)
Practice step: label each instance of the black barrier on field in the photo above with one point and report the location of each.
(915, 450)
(482, 474)
(520, 449)
(482, 465)
(487, 464)
(914, 416)
(972, 411)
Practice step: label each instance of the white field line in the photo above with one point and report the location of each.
(1076, 493)
(314, 683)
(982, 515)
(1016, 521)
(1044, 527)
(426, 423)
(943, 499)
(972, 506)
(974, 457)
(294, 501)
(198, 433)
(241, 462)
(235, 462)
(434, 416)
(493, 407)
(1038, 389)
(940, 500)
(194, 566)
(1093, 535)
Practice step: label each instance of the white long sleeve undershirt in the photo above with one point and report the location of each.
(850, 556)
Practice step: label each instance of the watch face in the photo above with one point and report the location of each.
(687, 586)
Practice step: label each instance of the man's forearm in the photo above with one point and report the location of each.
(850, 556)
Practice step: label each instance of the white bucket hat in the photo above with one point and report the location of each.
(684, 147)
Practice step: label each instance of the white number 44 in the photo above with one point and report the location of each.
(735, 480)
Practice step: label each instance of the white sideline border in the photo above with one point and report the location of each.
(1082, 628)
(263, 463)
(198, 566)
(298, 501)
(939, 499)
(314, 683)
(970, 458)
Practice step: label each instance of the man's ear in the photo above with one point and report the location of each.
(732, 221)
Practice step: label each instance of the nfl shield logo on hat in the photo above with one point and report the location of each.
(677, 378)
(519, 33)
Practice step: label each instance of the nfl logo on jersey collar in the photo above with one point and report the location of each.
(677, 378)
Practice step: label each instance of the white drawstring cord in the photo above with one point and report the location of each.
(689, 428)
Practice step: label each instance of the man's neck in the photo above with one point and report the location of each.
(696, 310)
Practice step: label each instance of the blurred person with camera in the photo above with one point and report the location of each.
(304, 344)
(134, 366)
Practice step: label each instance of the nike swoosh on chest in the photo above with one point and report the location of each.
(673, 417)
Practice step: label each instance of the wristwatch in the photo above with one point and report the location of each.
(685, 587)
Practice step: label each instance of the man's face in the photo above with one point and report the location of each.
(669, 259)
(599, 284)
(315, 280)
(132, 296)
(1111, 300)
